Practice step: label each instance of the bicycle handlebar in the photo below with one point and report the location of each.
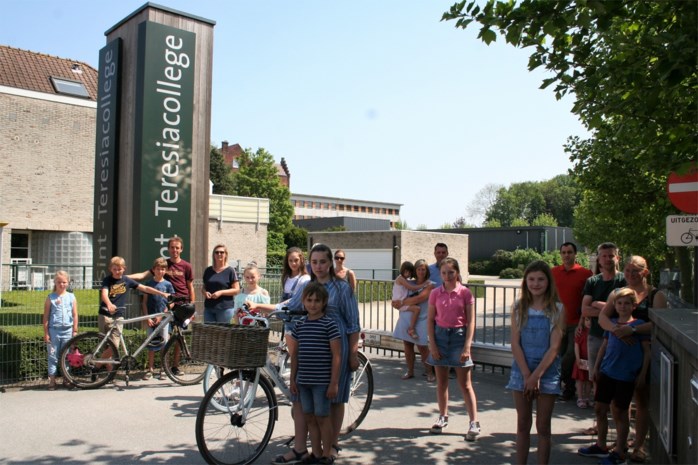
(246, 316)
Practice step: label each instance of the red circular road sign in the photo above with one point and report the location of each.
(682, 188)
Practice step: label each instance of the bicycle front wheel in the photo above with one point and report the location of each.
(239, 432)
(360, 396)
(178, 363)
(80, 360)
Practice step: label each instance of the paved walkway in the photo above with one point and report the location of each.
(153, 422)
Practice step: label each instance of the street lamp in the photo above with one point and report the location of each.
(2, 231)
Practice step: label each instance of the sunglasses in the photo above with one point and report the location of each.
(339, 258)
(219, 252)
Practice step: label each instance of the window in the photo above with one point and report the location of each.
(19, 247)
(65, 86)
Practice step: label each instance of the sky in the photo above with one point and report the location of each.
(365, 99)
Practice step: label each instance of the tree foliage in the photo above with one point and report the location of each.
(539, 203)
(258, 177)
(220, 174)
(631, 67)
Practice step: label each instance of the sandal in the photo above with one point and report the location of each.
(581, 403)
(638, 455)
(297, 457)
(592, 430)
(52, 386)
(407, 375)
(336, 448)
(431, 378)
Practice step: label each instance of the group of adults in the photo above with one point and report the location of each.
(588, 295)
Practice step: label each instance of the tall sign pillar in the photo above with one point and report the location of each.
(153, 138)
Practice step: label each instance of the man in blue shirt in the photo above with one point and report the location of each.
(440, 252)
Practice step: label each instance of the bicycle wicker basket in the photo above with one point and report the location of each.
(230, 346)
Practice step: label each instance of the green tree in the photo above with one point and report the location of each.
(220, 174)
(492, 224)
(401, 226)
(258, 177)
(519, 222)
(631, 67)
(523, 201)
(296, 237)
(544, 219)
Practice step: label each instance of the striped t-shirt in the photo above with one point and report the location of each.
(314, 353)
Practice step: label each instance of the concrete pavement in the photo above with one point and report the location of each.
(153, 422)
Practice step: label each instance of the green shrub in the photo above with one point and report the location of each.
(511, 273)
(520, 258)
(24, 355)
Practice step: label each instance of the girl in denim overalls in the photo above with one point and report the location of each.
(60, 323)
(536, 331)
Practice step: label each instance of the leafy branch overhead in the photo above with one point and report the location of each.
(631, 68)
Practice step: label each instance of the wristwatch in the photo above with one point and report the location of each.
(633, 329)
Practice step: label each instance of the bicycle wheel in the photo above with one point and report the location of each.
(360, 396)
(239, 433)
(177, 361)
(78, 361)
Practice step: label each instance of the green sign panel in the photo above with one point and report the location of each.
(163, 140)
(106, 157)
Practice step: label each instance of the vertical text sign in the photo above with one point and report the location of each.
(163, 140)
(106, 158)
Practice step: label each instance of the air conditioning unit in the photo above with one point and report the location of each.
(20, 261)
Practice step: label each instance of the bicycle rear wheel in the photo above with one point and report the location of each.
(238, 433)
(78, 364)
(360, 396)
(178, 363)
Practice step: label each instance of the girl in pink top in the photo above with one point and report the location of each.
(451, 326)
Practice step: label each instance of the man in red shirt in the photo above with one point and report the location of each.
(569, 281)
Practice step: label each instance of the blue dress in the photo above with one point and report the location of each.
(403, 322)
(535, 342)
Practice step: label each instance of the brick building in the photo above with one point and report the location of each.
(47, 146)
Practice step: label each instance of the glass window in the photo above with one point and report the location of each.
(74, 88)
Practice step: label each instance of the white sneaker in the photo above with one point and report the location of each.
(440, 425)
(162, 376)
(473, 431)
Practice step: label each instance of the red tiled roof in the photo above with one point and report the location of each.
(27, 70)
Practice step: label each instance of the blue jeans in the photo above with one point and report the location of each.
(59, 339)
(218, 316)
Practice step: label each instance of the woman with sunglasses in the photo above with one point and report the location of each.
(221, 285)
(341, 271)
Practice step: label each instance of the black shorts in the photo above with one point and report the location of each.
(609, 389)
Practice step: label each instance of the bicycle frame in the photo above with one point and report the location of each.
(167, 318)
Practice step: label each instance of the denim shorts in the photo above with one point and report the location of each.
(314, 399)
(450, 342)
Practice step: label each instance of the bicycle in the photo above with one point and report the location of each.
(236, 418)
(84, 365)
(689, 235)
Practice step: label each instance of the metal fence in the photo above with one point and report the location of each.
(21, 330)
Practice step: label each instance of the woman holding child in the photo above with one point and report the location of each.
(419, 297)
(636, 272)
